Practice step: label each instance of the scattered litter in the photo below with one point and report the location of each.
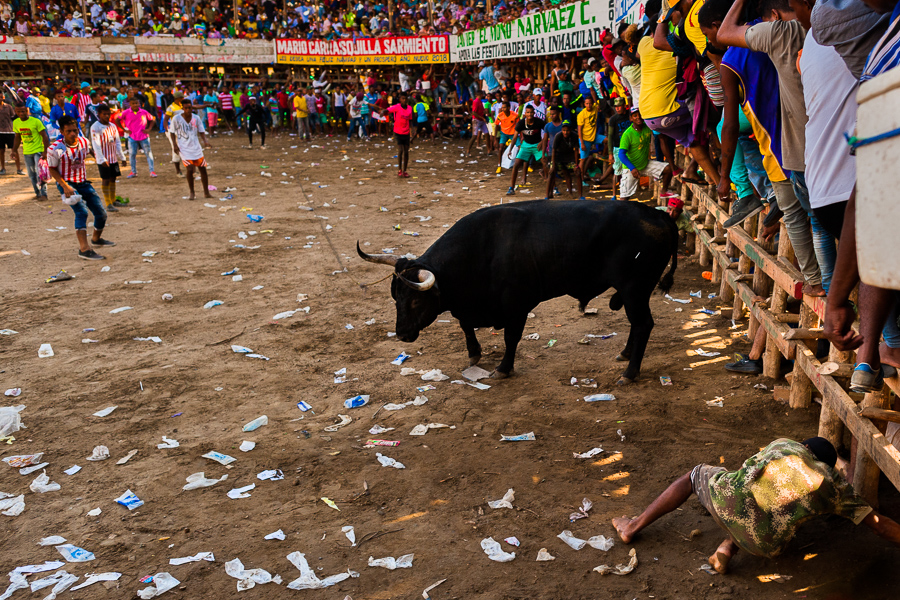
(761, 386)
(222, 459)
(92, 578)
(154, 338)
(512, 541)
(11, 422)
(271, 475)
(345, 420)
(213, 303)
(126, 458)
(23, 460)
(30, 470)
(162, 583)
(356, 401)
(707, 311)
(598, 541)
(241, 492)
(275, 535)
(494, 552)
(582, 511)
(702, 352)
(387, 443)
(42, 484)
(331, 503)
(247, 578)
(15, 393)
(708, 569)
(678, 300)
(599, 398)
(589, 454)
(207, 556)
(350, 533)
(53, 540)
(308, 579)
(697, 294)
(129, 500)
(120, 309)
(8, 332)
(390, 563)
(240, 349)
(532, 336)
(525, 437)
(419, 401)
(378, 429)
(474, 373)
(718, 401)
(168, 443)
(665, 380)
(99, 453)
(61, 581)
(422, 388)
(247, 446)
(199, 480)
(428, 589)
(94, 513)
(74, 553)
(544, 555)
(255, 424)
(506, 501)
(105, 412)
(387, 461)
(401, 358)
(620, 569)
(434, 375)
(423, 429)
(290, 313)
(45, 351)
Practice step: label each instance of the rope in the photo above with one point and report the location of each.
(854, 142)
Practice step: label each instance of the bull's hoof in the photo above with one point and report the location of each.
(497, 374)
(622, 358)
(473, 360)
(624, 381)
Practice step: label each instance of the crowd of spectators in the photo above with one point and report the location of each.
(256, 19)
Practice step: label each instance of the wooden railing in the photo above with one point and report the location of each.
(758, 278)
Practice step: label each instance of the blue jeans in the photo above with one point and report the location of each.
(89, 201)
(133, 150)
(823, 242)
(31, 165)
(756, 172)
(891, 331)
(355, 124)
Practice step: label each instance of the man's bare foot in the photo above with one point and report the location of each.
(723, 556)
(623, 527)
(191, 197)
(816, 291)
(206, 195)
(889, 356)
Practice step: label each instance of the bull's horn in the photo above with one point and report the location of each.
(381, 259)
(426, 280)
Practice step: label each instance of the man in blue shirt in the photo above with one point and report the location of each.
(62, 108)
(487, 74)
(423, 125)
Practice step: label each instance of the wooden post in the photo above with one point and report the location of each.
(390, 5)
(236, 20)
(134, 13)
(86, 16)
(865, 472)
(801, 385)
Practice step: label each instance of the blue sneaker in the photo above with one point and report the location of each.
(865, 379)
(511, 191)
(582, 198)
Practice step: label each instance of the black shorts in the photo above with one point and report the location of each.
(423, 127)
(402, 139)
(7, 140)
(109, 171)
(228, 114)
(340, 113)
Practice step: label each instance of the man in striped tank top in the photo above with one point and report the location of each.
(108, 152)
(227, 104)
(65, 158)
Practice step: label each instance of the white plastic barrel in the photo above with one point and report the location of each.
(878, 182)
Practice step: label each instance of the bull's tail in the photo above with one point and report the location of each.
(668, 280)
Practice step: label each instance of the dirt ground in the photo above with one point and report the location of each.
(193, 388)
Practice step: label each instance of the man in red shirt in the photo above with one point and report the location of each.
(66, 160)
(402, 114)
(283, 106)
(479, 123)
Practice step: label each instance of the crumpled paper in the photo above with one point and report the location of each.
(506, 501)
(620, 569)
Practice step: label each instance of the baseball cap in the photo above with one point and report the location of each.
(481, 63)
(618, 101)
(85, 84)
(178, 94)
(538, 92)
(676, 203)
(592, 60)
(635, 109)
(566, 123)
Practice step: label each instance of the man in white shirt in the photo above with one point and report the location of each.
(187, 128)
(108, 153)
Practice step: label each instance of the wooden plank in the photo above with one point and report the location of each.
(866, 473)
(869, 439)
(836, 369)
(880, 414)
(805, 334)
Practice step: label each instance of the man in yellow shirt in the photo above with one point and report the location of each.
(44, 100)
(301, 115)
(587, 134)
(659, 105)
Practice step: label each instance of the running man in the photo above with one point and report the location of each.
(32, 135)
(65, 158)
(506, 126)
(530, 130)
(402, 114)
(108, 152)
(564, 162)
(187, 128)
(138, 123)
(479, 123)
(256, 121)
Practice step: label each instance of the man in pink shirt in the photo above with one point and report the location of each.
(137, 122)
(402, 114)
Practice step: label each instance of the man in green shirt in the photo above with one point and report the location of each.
(762, 504)
(32, 135)
(634, 152)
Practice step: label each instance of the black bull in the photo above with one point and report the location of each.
(497, 264)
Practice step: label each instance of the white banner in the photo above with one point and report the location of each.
(562, 29)
(629, 11)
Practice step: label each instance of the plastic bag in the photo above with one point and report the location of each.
(44, 170)
(10, 421)
(43, 484)
(494, 552)
(308, 579)
(247, 578)
(162, 582)
(390, 563)
(505, 502)
(199, 480)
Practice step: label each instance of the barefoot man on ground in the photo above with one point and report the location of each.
(762, 504)
(187, 129)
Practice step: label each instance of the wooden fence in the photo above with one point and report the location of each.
(757, 279)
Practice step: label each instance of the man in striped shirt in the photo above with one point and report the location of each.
(227, 103)
(66, 160)
(82, 99)
(108, 152)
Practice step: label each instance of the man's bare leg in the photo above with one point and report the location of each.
(674, 496)
(701, 155)
(889, 356)
(204, 179)
(190, 180)
(723, 555)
